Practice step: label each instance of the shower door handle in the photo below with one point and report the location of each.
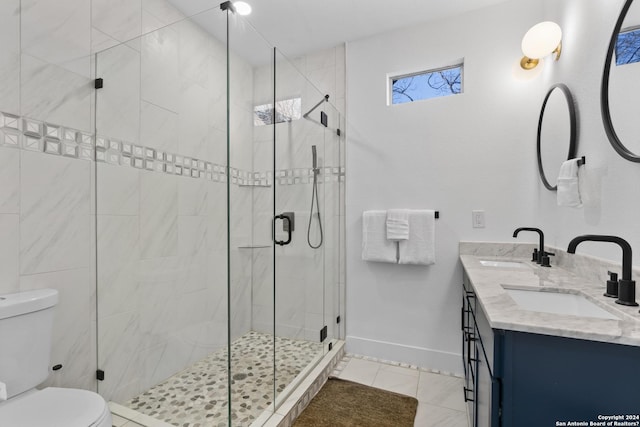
(288, 228)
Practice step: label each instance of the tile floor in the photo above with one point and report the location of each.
(123, 422)
(440, 398)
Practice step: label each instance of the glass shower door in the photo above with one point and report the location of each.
(300, 226)
(250, 206)
(277, 239)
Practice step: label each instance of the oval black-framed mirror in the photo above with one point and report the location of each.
(556, 96)
(605, 107)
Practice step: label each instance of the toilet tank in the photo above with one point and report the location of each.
(26, 323)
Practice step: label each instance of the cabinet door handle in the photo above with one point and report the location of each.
(467, 399)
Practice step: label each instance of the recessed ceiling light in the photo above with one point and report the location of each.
(242, 8)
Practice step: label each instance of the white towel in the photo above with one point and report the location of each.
(375, 246)
(398, 224)
(568, 189)
(420, 248)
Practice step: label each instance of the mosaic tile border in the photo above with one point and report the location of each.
(33, 135)
(402, 365)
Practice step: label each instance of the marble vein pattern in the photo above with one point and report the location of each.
(578, 274)
(120, 19)
(57, 32)
(67, 98)
(160, 52)
(198, 395)
(10, 58)
(9, 253)
(118, 255)
(118, 190)
(158, 127)
(118, 105)
(158, 13)
(101, 41)
(10, 179)
(158, 216)
(497, 249)
(54, 219)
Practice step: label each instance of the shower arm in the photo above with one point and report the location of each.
(324, 99)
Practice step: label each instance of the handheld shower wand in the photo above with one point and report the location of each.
(314, 198)
(315, 158)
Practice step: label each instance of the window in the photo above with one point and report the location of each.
(426, 84)
(286, 111)
(628, 46)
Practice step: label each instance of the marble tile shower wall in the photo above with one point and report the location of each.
(167, 304)
(161, 208)
(46, 226)
(161, 257)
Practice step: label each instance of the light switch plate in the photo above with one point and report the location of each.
(477, 219)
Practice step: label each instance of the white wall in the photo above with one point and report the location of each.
(608, 182)
(453, 154)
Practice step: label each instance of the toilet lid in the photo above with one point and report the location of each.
(54, 407)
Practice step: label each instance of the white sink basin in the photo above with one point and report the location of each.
(558, 303)
(502, 264)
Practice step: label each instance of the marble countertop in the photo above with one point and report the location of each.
(504, 313)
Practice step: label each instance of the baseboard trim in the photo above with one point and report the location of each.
(418, 357)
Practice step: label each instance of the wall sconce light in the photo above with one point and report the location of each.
(541, 40)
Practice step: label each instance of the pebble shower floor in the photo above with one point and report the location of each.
(197, 396)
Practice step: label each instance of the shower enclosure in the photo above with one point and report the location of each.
(215, 293)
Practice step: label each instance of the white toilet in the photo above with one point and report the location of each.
(26, 321)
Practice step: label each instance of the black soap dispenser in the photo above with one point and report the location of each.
(612, 285)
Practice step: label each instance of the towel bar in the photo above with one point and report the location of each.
(582, 161)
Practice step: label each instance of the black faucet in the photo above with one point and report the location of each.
(626, 286)
(539, 255)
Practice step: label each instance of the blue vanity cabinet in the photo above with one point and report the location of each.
(550, 379)
(488, 385)
(469, 350)
(481, 387)
(526, 379)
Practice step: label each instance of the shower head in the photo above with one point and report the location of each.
(324, 99)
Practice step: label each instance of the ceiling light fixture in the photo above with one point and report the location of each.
(541, 40)
(239, 7)
(242, 8)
